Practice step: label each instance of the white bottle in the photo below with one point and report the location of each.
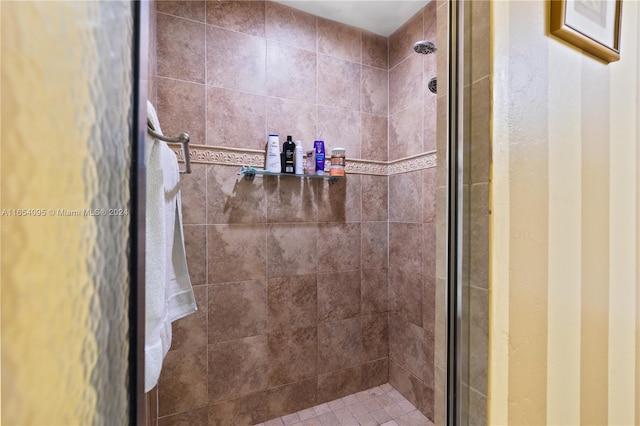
(298, 159)
(273, 154)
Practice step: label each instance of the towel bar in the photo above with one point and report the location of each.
(182, 138)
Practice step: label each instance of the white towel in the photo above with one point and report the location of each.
(168, 291)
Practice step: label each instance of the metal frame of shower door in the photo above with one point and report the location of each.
(454, 211)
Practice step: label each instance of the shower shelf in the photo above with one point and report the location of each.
(250, 173)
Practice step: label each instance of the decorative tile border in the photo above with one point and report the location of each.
(205, 154)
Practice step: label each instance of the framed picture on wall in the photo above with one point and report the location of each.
(591, 25)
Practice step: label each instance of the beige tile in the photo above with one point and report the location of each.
(338, 295)
(440, 339)
(429, 195)
(430, 118)
(439, 398)
(339, 128)
(290, 26)
(237, 310)
(480, 34)
(480, 131)
(237, 368)
(295, 118)
(375, 337)
(193, 190)
(405, 132)
(236, 253)
(375, 91)
(375, 245)
(479, 236)
(246, 410)
(181, 109)
(231, 199)
(338, 83)
(339, 345)
(197, 417)
(405, 295)
(193, 9)
(292, 249)
(478, 339)
(235, 60)
(292, 302)
(375, 373)
(195, 245)
(402, 40)
(430, 16)
(243, 16)
(338, 384)
(340, 201)
(375, 51)
(374, 142)
(291, 199)
(292, 355)
(429, 230)
(406, 346)
(191, 331)
(405, 246)
(405, 197)
(375, 203)
(291, 72)
(182, 385)
(181, 48)
(374, 291)
(338, 247)
(408, 385)
(291, 398)
(477, 408)
(405, 84)
(339, 40)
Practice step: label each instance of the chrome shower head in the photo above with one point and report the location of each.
(425, 47)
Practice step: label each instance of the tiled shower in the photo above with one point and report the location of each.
(307, 291)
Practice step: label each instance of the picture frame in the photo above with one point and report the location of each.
(591, 25)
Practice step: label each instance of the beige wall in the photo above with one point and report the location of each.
(564, 286)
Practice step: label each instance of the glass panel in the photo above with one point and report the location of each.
(66, 158)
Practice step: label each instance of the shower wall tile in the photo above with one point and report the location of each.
(242, 16)
(405, 84)
(290, 26)
(338, 384)
(338, 296)
(339, 40)
(429, 195)
(402, 40)
(191, 331)
(338, 82)
(375, 90)
(405, 133)
(374, 137)
(429, 310)
(478, 339)
(405, 197)
(193, 194)
(192, 9)
(405, 246)
(429, 230)
(290, 398)
(375, 337)
(430, 21)
(237, 367)
(197, 417)
(375, 245)
(339, 128)
(195, 246)
(405, 295)
(182, 386)
(375, 373)
(237, 310)
(291, 72)
(376, 189)
(292, 302)
(339, 345)
(236, 253)
(235, 60)
(375, 51)
(412, 388)
(291, 200)
(295, 118)
(292, 355)
(480, 35)
(180, 48)
(373, 291)
(292, 250)
(340, 201)
(406, 345)
(236, 119)
(231, 199)
(181, 109)
(481, 131)
(479, 236)
(338, 247)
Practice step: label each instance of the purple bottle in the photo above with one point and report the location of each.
(319, 147)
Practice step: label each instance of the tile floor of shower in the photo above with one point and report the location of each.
(382, 405)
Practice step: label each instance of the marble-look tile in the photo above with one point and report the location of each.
(375, 204)
(290, 26)
(291, 199)
(375, 337)
(375, 91)
(236, 60)
(339, 383)
(406, 345)
(477, 408)
(481, 130)
(442, 58)
(405, 295)
(193, 9)
(439, 398)
(441, 142)
(338, 83)
(375, 52)
(405, 133)
(152, 64)
(429, 308)
(237, 310)
(182, 385)
(402, 40)
(413, 390)
(292, 249)
(374, 142)
(480, 35)
(237, 368)
(339, 40)
(236, 253)
(151, 406)
(292, 302)
(242, 16)
(429, 230)
(405, 197)
(478, 339)
(247, 409)
(295, 118)
(340, 201)
(181, 109)
(429, 21)
(440, 326)
(373, 291)
(375, 245)
(338, 247)
(405, 246)
(191, 331)
(193, 195)
(292, 355)
(291, 398)
(236, 119)
(181, 48)
(291, 72)
(197, 417)
(405, 84)
(375, 373)
(338, 295)
(429, 195)
(339, 345)
(195, 246)
(231, 199)
(430, 117)
(339, 128)
(479, 236)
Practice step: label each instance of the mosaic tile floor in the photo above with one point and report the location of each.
(379, 406)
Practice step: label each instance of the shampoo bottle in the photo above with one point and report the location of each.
(289, 152)
(273, 154)
(299, 157)
(319, 148)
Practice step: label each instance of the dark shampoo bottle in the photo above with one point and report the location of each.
(289, 152)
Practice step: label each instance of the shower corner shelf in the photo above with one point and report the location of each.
(251, 172)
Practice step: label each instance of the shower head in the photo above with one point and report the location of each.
(433, 85)
(425, 47)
